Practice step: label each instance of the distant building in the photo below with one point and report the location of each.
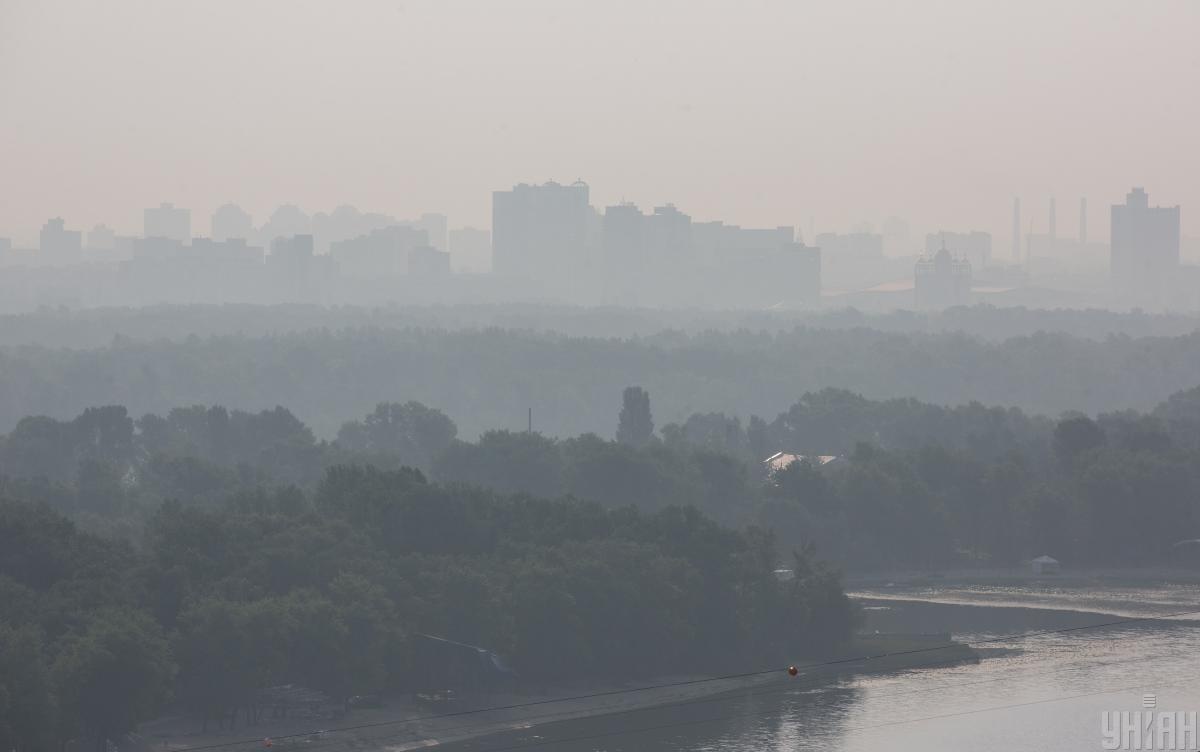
(167, 221)
(291, 250)
(721, 243)
(101, 238)
(157, 247)
(5, 245)
(540, 232)
(624, 244)
(295, 271)
(669, 237)
(797, 270)
(1045, 565)
(435, 226)
(942, 280)
(974, 246)
(471, 249)
(1144, 246)
(427, 261)
(382, 252)
(58, 244)
(232, 251)
(287, 221)
(782, 460)
(231, 221)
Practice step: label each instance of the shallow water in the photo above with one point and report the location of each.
(1045, 692)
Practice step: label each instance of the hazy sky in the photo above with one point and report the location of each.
(761, 113)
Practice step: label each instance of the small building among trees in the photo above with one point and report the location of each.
(1045, 565)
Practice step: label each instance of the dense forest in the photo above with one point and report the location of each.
(916, 484)
(489, 378)
(218, 603)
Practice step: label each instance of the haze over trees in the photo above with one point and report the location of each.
(487, 379)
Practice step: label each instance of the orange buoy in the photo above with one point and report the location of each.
(792, 670)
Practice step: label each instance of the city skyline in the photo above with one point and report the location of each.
(776, 113)
(1034, 217)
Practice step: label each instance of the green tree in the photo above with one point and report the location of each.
(113, 674)
(27, 709)
(635, 425)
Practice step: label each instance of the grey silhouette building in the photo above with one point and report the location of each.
(645, 253)
(287, 221)
(941, 280)
(101, 238)
(167, 221)
(229, 253)
(156, 247)
(540, 232)
(1144, 246)
(58, 244)
(974, 246)
(231, 221)
(383, 252)
(427, 261)
(435, 227)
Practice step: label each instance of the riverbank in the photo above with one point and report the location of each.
(399, 725)
(1129, 593)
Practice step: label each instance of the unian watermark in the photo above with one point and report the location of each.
(1149, 729)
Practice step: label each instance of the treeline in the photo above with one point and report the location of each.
(97, 327)
(490, 378)
(915, 484)
(326, 590)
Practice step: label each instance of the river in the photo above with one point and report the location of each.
(1042, 692)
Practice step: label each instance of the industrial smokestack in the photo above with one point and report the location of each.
(1083, 221)
(1016, 231)
(1053, 232)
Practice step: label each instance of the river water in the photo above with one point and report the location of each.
(1042, 692)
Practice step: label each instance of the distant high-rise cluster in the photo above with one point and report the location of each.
(547, 242)
(550, 234)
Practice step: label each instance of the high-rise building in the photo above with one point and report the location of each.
(58, 244)
(435, 226)
(167, 221)
(1144, 245)
(427, 261)
(231, 221)
(381, 253)
(101, 238)
(1053, 229)
(624, 238)
(540, 231)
